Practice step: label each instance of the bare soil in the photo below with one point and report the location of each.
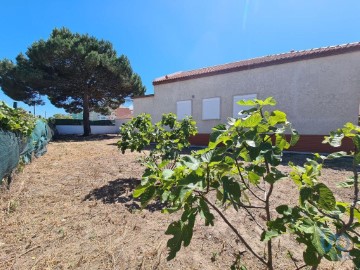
(73, 209)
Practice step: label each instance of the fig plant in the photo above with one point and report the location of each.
(240, 168)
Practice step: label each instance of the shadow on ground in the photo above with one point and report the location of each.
(343, 163)
(80, 138)
(120, 191)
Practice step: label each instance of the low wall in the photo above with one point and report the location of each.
(77, 129)
(306, 143)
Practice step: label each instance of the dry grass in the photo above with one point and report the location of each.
(72, 209)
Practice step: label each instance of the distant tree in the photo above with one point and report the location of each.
(62, 116)
(17, 88)
(76, 72)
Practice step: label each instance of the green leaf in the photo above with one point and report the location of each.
(167, 173)
(277, 117)
(281, 142)
(310, 256)
(147, 196)
(305, 194)
(284, 210)
(274, 176)
(322, 240)
(334, 139)
(249, 122)
(294, 137)
(253, 178)
(270, 101)
(190, 162)
(355, 253)
(357, 158)
(326, 199)
(356, 141)
(174, 244)
(346, 184)
(247, 102)
(268, 235)
(219, 127)
(232, 190)
(182, 232)
(337, 155)
(140, 190)
(205, 213)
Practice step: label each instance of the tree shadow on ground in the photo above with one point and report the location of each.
(120, 191)
(340, 164)
(80, 138)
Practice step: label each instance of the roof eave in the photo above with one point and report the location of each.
(289, 59)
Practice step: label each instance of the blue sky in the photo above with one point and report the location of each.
(165, 36)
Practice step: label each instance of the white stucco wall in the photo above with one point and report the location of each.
(71, 129)
(319, 95)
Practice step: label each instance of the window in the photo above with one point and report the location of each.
(183, 109)
(237, 108)
(211, 108)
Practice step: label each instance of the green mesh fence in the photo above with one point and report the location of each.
(15, 147)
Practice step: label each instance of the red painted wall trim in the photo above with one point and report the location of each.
(306, 143)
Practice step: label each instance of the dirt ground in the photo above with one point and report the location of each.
(73, 209)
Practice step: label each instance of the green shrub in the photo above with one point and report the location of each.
(16, 120)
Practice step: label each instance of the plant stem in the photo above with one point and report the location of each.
(356, 197)
(244, 182)
(252, 216)
(268, 218)
(235, 231)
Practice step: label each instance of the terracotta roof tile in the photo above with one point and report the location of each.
(259, 62)
(123, 113)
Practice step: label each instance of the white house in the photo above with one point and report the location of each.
(319, 89)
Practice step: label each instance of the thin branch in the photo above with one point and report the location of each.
(292, 259)
(235, 231)
(202, 194)
(250, 206)
(356, 233)
(326, 214)
(355, 200)
(253, 217)
(259, 187)
(207, 179)
(244, 182)
(268, 218)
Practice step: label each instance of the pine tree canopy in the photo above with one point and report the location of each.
(76, 72)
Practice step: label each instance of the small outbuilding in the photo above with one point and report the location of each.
(319, 89)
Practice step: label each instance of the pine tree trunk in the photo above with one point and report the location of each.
(86, 115)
